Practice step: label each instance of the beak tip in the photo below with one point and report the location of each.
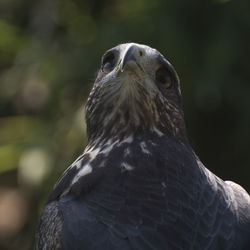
(129, 56)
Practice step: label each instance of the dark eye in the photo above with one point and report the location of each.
(163, 77)
(108, 62)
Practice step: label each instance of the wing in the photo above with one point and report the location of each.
(48, 235)
(224, 214)
(241, 203)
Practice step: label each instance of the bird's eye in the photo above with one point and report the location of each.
(108, 62)
(163, 77)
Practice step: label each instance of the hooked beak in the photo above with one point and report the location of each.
(131, 58)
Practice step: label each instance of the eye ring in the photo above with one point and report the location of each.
(163, 78)
(108, 62)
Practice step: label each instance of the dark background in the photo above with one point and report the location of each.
(49, 53)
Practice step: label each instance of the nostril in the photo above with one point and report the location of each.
(140, 53)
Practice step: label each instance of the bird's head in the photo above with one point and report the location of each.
(136, 89)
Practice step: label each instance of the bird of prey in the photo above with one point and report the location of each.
(139, 185)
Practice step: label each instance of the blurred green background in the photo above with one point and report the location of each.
(49, 53)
